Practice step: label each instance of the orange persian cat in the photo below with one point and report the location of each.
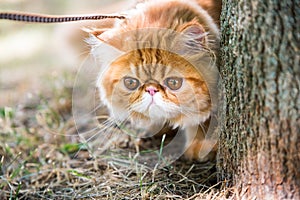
(158, 68)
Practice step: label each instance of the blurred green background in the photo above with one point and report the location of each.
(31, 52)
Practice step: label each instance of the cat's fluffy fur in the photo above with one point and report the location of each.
(161, 39)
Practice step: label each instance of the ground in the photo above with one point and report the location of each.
(42, 156)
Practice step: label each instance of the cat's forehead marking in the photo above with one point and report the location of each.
(134, 70)
(167, 69)
(151, 63)
(141, 63)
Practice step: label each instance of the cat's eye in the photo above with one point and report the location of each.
(174, 83)
(131, 83)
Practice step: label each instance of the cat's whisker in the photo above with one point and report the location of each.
(90, 137)
(202, 128)
(83, 53)
(108, 123)
(95, 109)
(138, 107)
(89, 131)
(92, 134)
(116, 123)
(104, 128)
(188, 113)
(120, 124)
(103, 142)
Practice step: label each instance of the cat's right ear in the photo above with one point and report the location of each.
(104, 52)
(95, 31)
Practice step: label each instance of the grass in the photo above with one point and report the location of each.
(42, 157)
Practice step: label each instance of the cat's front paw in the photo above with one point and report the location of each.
(202, 151)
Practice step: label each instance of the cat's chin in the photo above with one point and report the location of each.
(158, 118)
(155, 113)
(151, 118)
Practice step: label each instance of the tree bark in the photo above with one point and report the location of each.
(259, 150)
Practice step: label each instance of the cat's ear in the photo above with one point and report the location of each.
(194, 36)
(106, 35)
(103, 52)
(95, 31)
(196, 32)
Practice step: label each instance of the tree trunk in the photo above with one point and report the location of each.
(260, 65)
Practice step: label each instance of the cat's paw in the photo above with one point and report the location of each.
(202, 151)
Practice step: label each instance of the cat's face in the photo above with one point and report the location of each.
(155, 86)
(152, 74)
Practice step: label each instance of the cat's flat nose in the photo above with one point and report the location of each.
(151, 90)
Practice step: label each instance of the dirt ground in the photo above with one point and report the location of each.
(42, 156)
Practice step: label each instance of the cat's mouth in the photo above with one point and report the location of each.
(153, 101)
(154, 107)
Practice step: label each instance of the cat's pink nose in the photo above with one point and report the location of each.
(151, 90)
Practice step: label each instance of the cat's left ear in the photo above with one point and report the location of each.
(194, 35)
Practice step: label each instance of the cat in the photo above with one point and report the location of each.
(158, 67)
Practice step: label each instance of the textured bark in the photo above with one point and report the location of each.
(260, 66)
